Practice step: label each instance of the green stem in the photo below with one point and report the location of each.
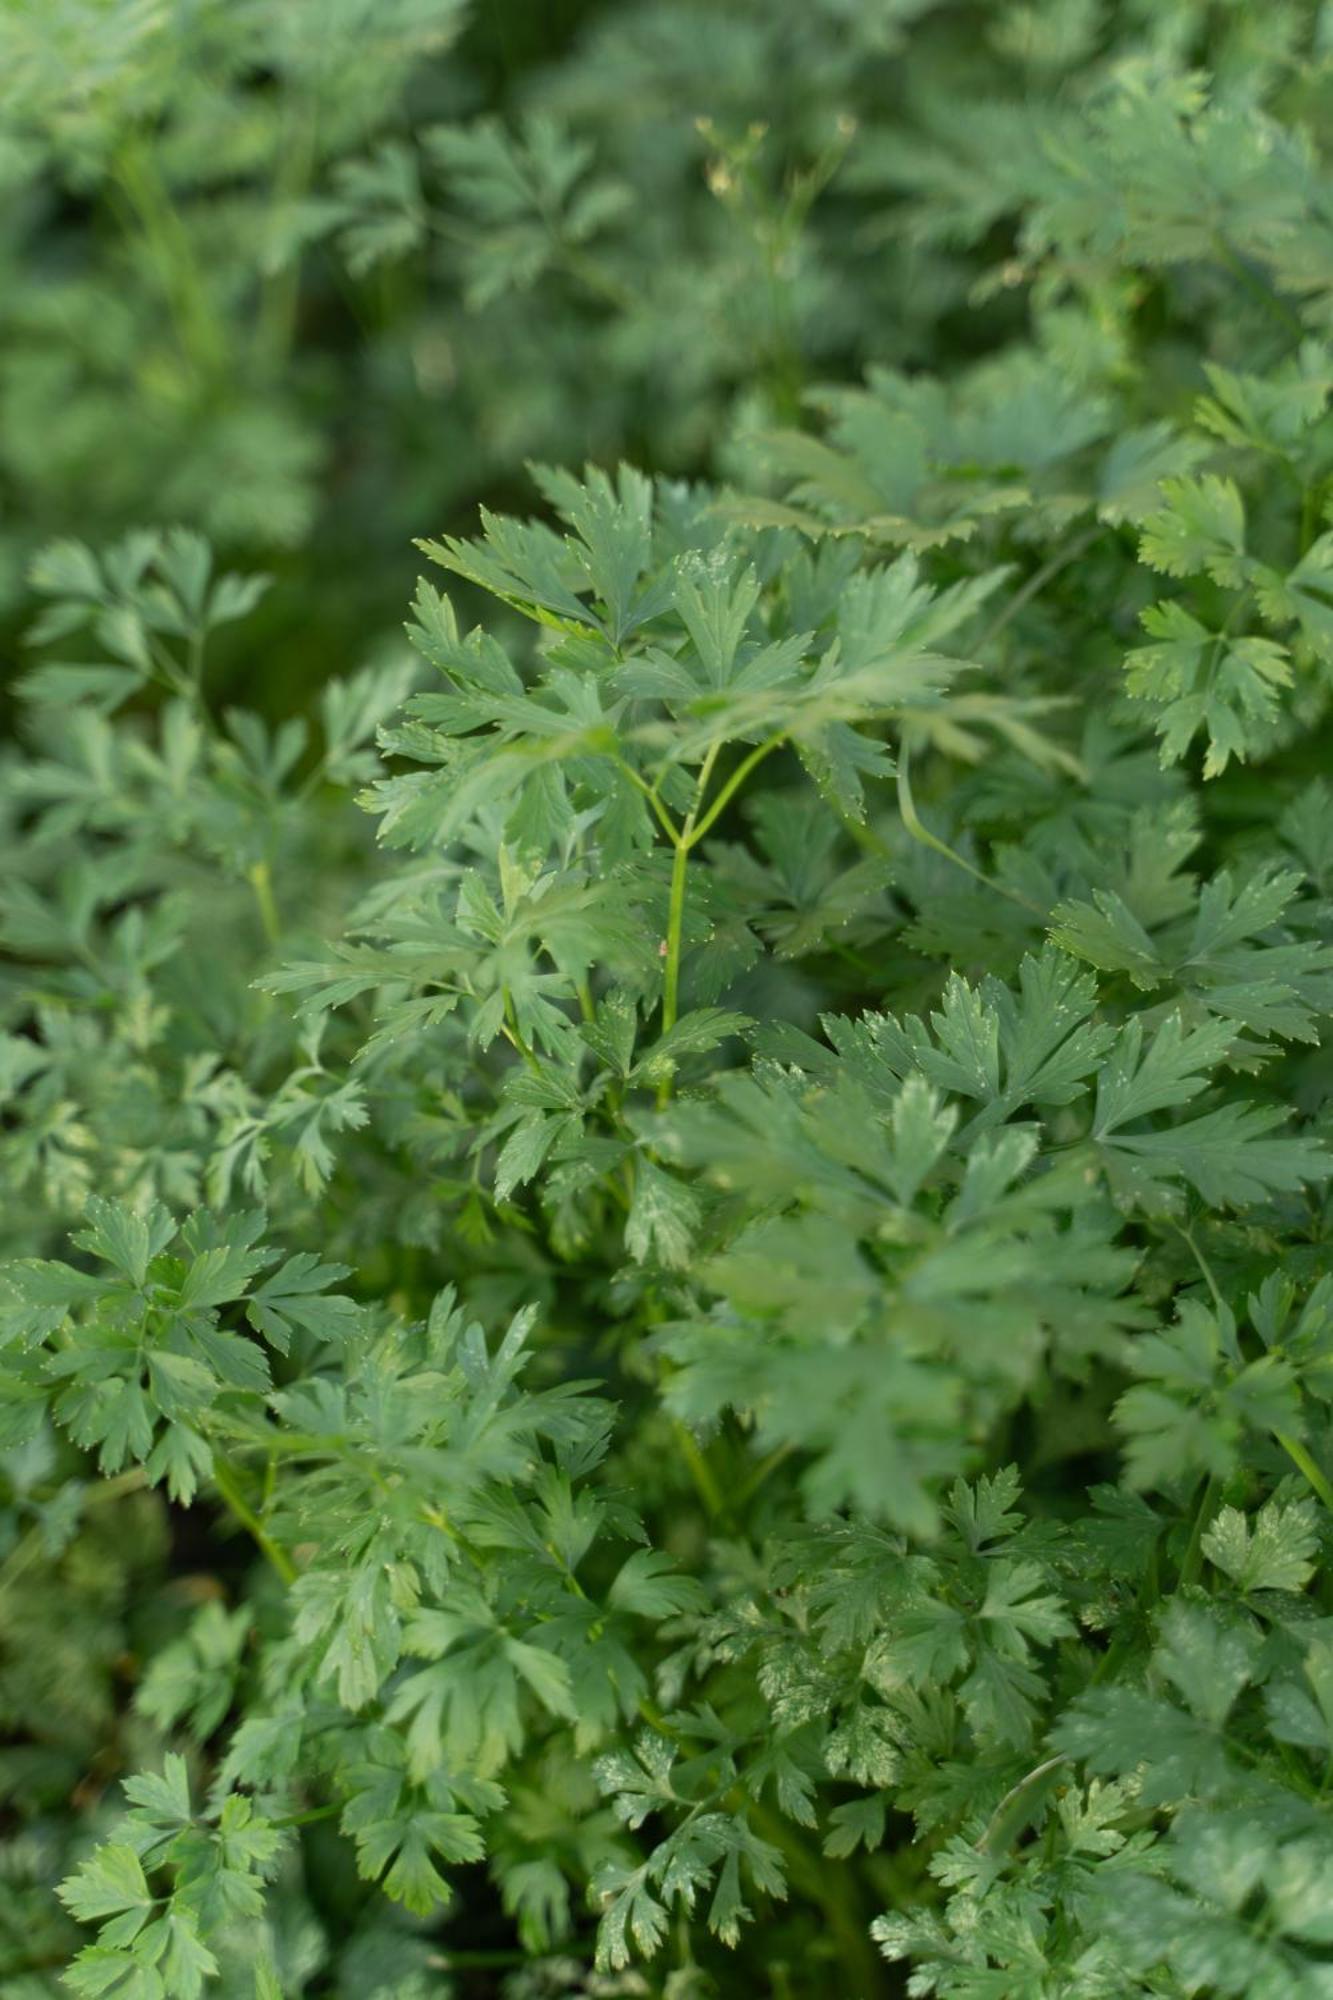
(921, 833)
(1111, 1660)
(136, 174)
(261, 881)
(1214, 1288)
(449, 1961)
(653, 1716)
(1193, 1560)
(276, 320)
(1293, 1447)
(1036, 583)
(20, 1559)
(675, 932)
(1228, 626)
(676, 912)
(694, 834)
(306, 1818)
(689, 837)
(595, 278)
(701, 1472)
(1300, 1456)
(864, 836)
(194, 650)
(1309, 515)
(514, 1034)
(751, 1484)
(224, 1478)
(668, 825)
(167, 672)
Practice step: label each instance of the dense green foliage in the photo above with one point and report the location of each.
(667, 1319)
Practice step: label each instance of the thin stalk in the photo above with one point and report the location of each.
(668, 825)
(1300, 1456)
(224, 1478)
(674, 935)
(1227, 628)
(514, 1034)
(653, 1716)
(461, 1961)
(751, 1484)
(1311, 499)
(921, 833)
(20, 1559)
(195, 663)
(306, 1818)
(436, 1518)
(595, 278)
(701, 783)
(1111, 1659)
(865, 836)
(694, 834)
(1295, 1450)
(687, 838)
(671, 948)
(261, 881)
(1192, 1564)
(1214, 1288)
(700, 1471)
(135, 173)
(312, 781)
(276, 319)
(169, 674)
(1036, 583)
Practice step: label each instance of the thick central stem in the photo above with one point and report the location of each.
(684, 840)
(675, 930)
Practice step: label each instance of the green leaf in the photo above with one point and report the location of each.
(125, 1240)
(1271, 1552)
(648, 1586)
(663, 1216)
(632, 1918)
(857, 1822)
(110, 1884)
(1198, 679)
(1200, 526)
(297, 1295)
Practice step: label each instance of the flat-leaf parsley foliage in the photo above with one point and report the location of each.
(667, 1318)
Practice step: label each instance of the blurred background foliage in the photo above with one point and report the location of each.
(319, 276)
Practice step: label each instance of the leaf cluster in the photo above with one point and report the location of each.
(666, 1322)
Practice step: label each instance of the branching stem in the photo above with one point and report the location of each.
(228, 1486)
(687, 838)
